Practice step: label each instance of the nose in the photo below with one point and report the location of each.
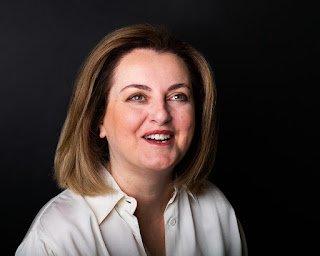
(159, 113)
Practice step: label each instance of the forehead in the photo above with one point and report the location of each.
(146, 66)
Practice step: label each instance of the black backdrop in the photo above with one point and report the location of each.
(262, 54)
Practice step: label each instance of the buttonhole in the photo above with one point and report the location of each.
(128, 202)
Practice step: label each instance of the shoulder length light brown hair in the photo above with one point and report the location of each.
(81, 152)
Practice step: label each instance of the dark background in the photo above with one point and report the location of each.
(263, 56)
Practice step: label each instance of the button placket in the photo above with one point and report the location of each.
(131, 204)
(172, 221)
(171, 228)
(170, 215)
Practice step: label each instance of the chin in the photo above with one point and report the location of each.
(159, 165)
(158, 161)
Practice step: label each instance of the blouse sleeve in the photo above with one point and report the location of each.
(33, 245)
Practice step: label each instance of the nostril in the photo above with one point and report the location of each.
(160, 115)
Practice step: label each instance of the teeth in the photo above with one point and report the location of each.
(160, 137)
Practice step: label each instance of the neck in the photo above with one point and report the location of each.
(151, 188)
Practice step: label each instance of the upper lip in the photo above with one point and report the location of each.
(158, 132)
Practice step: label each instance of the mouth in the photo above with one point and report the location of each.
(159, 137)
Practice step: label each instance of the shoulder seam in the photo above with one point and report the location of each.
(48, 204)
(48, 243)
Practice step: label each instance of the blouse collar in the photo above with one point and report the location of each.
(104, 204)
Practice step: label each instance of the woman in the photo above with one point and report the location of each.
(135, 151)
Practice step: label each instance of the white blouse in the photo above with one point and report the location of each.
(70, 224)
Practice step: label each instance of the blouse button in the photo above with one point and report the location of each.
(172, 222)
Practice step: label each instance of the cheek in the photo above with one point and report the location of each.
(185, 121)
(189, 127)
(126, 121)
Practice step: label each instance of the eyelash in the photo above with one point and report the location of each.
(184, 97)
(131, 98)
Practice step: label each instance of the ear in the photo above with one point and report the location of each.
(103, 131)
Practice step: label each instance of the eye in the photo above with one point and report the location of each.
(179, 97)
(137, 97)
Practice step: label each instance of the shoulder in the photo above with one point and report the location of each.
(66, 208)
(213, 196)
(211, 204)
(59, 223)
(214, 218)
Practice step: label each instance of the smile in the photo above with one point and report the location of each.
(159, 137)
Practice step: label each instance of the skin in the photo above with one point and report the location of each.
(150, 91)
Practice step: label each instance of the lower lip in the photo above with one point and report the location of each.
(153, 142)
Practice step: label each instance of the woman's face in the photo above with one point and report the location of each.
(150, 119)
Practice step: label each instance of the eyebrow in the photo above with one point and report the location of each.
(138, 86)
(177, 86)
(147, 88)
